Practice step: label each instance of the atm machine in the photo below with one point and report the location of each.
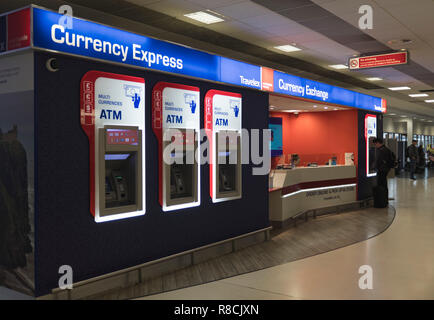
(112, 116)
(370, 135)
(176, 124)
(223, 128)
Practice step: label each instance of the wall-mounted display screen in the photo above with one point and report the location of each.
(370, 134)
(275, 125)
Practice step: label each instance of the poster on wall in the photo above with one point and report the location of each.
(17, 228)
(114, 103)
(275, 125)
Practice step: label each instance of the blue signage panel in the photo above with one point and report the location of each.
(240, 73)
(309, 89)
(94, 40)
(97, 41)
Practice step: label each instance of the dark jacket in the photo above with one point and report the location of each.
(413, 153)
(382, 157)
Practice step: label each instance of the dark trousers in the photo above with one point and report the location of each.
(413, 167)
(382, 179)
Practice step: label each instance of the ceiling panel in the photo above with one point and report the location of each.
(243, 10)
(267, 20)
(213, 4)
(280, 5)
(175, 8)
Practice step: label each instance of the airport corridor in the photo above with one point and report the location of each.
(401, 259)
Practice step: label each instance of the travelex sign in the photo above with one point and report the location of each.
(94, 40)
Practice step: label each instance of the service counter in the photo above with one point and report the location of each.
(297, 190)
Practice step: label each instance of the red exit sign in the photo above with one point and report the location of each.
(379, 60)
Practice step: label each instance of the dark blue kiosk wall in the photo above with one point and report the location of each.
(66, 233)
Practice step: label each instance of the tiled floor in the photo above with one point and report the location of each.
(402, 260)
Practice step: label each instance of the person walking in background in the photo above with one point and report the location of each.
(413, 154)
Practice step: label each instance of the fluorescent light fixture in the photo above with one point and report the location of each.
(429, 101)
(392, 114)
(338, 66)
(315, 106)
(335, 109)
(416, 95)
(403, 116)
(203, 17)
(287, 48)
(374, 79)
(326, 108)
(399, 88)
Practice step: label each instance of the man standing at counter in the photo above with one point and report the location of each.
(384, 161)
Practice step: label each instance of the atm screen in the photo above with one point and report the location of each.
(122, 136)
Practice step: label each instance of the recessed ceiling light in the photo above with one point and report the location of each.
(287, 48)
(315, 106)
(326, 108)
(374, 79)
(338, 66)
(399, 88)
(416, 95)
(429, 101)
(203, 17)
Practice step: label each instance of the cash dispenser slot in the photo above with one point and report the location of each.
(120, 170)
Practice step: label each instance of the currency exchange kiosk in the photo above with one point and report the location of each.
(223, 128)
(112, 116)
(176, 123)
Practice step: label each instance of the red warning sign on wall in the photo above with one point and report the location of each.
(380, 60)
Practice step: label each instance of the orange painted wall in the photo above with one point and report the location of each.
(316, 135)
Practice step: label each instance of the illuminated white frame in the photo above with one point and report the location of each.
(197, 158)
(214, 157)
(214, 170)
(189, 204)
(141, 127)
